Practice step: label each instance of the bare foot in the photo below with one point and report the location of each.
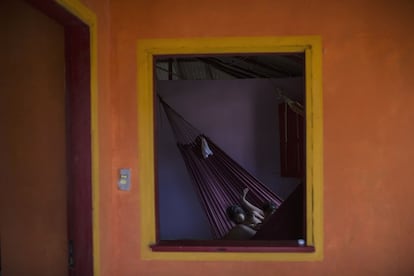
(245, 191)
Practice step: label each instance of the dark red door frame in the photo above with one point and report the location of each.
(78, 95)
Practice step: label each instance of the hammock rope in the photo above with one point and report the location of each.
(219, 180)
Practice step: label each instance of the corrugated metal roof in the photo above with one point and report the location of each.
(230, 67)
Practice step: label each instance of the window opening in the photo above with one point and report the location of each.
(230, 151)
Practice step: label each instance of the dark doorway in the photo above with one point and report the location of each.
(46, 118)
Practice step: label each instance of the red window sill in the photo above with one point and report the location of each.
(229, 246)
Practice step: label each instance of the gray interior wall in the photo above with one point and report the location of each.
(241, 116)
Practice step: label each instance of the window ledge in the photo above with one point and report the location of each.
(230, 246)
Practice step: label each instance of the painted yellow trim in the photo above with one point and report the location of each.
(88, 17)
(149, 48)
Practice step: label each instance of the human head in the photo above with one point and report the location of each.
(236, 214)
(269, 208)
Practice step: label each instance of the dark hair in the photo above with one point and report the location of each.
(233, 210)
(269, 207)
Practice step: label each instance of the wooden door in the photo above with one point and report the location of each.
(33, 168)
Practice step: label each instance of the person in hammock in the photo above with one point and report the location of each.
(241, 231)
(247, 223)
(255, 216)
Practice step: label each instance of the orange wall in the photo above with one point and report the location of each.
(32, 144)
(368, 65)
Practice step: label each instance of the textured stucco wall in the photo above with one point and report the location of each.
(368, 131)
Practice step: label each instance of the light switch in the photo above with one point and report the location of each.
(124, 182)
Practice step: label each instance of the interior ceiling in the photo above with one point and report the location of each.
(230, 67)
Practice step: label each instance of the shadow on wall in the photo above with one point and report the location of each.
(241, 116)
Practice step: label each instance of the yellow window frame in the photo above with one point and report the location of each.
(147, 49)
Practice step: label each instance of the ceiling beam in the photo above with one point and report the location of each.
(224, 69)
(279, 72)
